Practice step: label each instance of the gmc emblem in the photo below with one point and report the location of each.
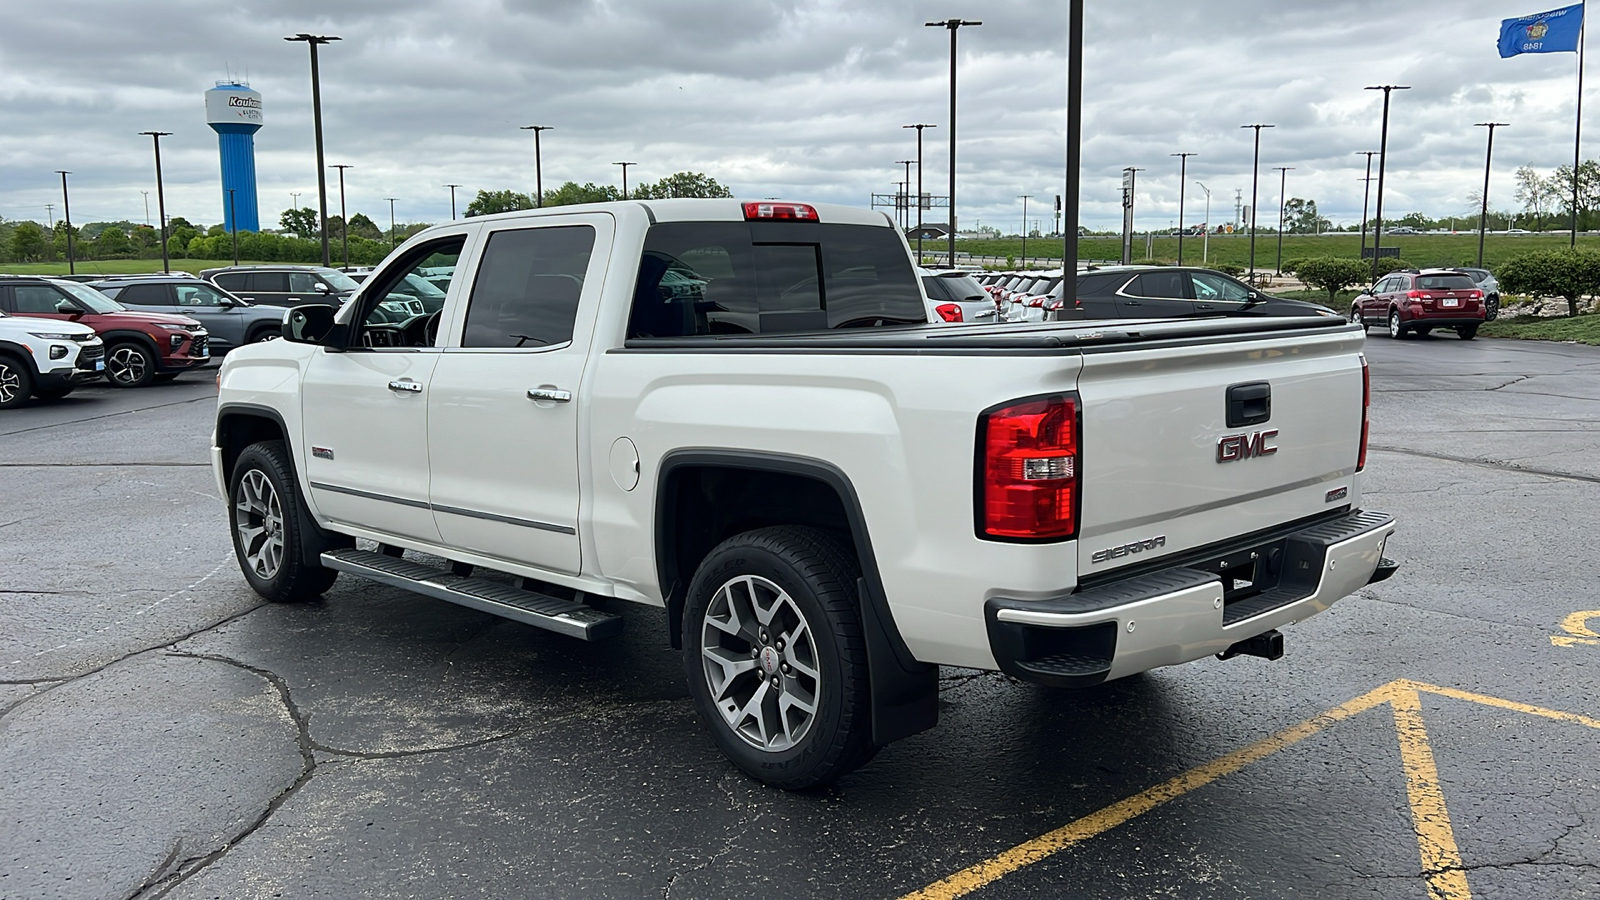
(1234, 447)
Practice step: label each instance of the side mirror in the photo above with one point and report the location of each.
(321, 288)
(309, 324)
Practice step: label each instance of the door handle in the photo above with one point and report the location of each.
(550, 395)
(1202, 306)
(1133, 303)
(405, 386)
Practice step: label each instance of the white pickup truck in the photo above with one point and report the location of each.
(738, 412)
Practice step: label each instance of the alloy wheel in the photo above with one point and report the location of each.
(760, 662)
(258, 518)
(126, 365)
(10, 383)
(1395, 330)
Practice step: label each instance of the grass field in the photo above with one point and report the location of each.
(1234, 249)
(1582, 329)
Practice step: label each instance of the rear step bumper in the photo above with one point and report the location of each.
(1185, 613)
(539, 610)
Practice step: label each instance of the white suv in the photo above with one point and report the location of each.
(46, 358)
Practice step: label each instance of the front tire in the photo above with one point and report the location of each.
(1396, 330)
(130, 365)
(266, 515)
(776, 658)
(16, 382)
(1356, 319)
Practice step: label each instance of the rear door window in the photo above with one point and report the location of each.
(707, 278)
(143, 295)
(1162, 285)
(270, 282)
(528, 286)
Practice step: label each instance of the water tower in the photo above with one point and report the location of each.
(234, 112)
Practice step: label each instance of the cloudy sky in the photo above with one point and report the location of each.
(777, 98)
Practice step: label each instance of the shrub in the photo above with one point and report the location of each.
(1572, 274)
(1331, 273)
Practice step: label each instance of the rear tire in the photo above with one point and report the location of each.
(16, 382)
(266, 516)
(130, 365)
(1397, 331)
(1491, 307)
(1467, 332)
(262, 334)
(776, 658)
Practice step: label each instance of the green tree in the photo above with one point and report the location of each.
(28, 243)
(112, 243)
(1588, 191)
(487, 203)
(681, 184)
(1572, 274)
(572, 192)
(1301, 217)
(1330, 273)
(300, 222)
(1536, 194)
(363, 227)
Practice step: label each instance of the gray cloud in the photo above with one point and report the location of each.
(775, 98)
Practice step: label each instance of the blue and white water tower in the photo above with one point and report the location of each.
(234, 112)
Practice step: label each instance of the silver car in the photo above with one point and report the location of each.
(1490, 286)
(955, 298)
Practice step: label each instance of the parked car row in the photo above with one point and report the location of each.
(1135, 292)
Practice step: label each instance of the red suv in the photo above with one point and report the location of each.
(140, 347)
(1418, 302)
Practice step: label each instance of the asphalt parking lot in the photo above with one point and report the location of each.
(164, 733)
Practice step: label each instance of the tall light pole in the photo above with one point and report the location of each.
(919, 128)
(1183, 182)
(294, 199)
(1255, 173)
(1283, 185)
(1205, 245)
(233, 225)
(344, 220)
(538, 164)
(907, 214)
(161, 197)
(392, 242)
(1074, 155)
(954, 25)
(1025, 198)
(1383, 160)
(624, 166)
(66, 213)
(146, 208)
(452, 188)
(1488, 159)
(1366, 192)
(313, 41)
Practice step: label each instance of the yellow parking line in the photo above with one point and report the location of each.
(974, 877)
(1436, 840)
(1441, 859)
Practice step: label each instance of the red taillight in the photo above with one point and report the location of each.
(1029, 471)
(1366, 403)
(798, 212)
(1036, 301)
(1476, 295)
(1414, 295)
(948, 312)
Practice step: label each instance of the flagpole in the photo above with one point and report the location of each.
(1577, 131)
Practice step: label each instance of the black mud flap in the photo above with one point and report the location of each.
(905, 693)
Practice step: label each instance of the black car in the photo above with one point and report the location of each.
(283, 285)
(1164, 292)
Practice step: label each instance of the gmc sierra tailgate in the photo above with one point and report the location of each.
(1188, 444)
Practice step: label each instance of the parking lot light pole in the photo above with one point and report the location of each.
(344, 220)
(954, 25)
(1255, 173)
(1183, 182)
(1283, 184)
(624, 166)
(1488, 160)
(538, 163)
(392, 242)
(66, 214)
(452, 188)
(907, 215)
(919, 128)
(1383, 160)
(313, 41)
(1205, 245)
(1366, 192)
(233, 225)
(1024, 198)
(161, 197)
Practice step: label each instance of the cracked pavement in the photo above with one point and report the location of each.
(164, 733)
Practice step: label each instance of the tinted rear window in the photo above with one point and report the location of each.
(699, 278)
(1445, 283)
(1091, 285)
(231, 281)
(947, 288)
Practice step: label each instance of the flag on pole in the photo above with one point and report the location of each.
(1556, 31)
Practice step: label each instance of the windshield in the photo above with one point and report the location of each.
(417, 287)
(338, 280)
(88, 296)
